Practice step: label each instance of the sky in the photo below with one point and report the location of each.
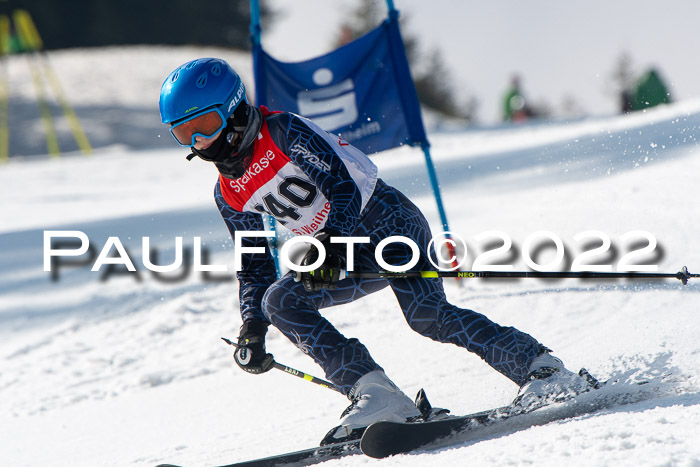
(561, 50)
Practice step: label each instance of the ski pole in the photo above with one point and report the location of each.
(292, 371)
(4, 96)
(305, 376)
(683, 275)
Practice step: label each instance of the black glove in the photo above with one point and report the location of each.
(251, 355)
(325, 276)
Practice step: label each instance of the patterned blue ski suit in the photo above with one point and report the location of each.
(314, 168)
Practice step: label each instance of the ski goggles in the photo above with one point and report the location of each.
(205, 124)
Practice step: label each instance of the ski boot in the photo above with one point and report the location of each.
(374, 398)
(549, 381)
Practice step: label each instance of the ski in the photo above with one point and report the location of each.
(383, 439)
(309, 456)
(305, 456)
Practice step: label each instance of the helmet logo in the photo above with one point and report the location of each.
(237, 98)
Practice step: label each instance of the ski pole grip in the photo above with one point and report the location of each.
(297, 275)
(292, 371)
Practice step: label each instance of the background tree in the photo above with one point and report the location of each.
(87, 23)
(623, 78)
(431, 76)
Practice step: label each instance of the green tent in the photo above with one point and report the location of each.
(650, 91)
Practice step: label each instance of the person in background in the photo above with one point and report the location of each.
(515, 107)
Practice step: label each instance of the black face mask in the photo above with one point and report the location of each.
(223, 153)
(234, 166)
(231, 154)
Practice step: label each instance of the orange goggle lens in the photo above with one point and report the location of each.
(206, 125)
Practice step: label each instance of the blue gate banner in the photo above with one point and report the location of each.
(362, 91)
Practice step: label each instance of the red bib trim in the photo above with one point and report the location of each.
(267, 160)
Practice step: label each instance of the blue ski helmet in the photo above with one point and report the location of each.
(200, 85)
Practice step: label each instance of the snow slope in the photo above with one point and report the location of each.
(120, 371)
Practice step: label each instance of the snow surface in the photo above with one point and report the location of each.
(128, 372)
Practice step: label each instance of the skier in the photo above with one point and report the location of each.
(311, 181)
